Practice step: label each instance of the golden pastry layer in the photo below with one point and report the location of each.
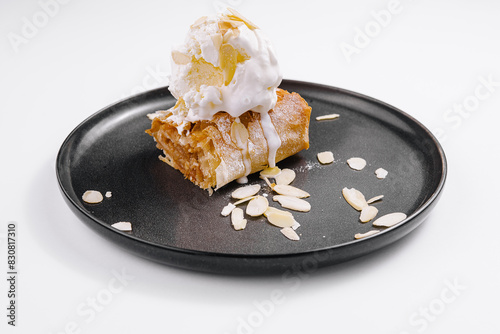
(213, 153)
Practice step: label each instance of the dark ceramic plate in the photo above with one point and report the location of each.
(177, 223)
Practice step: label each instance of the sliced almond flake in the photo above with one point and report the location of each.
(364, 235)
(275, 210)
(231, 33)
(285, 177)
(272, 210)
(290, 233)
(238, 16)
(381, 173)
(355, 198)
(288, 190)
(199, 21)
(226, 211)
(216, 40)
(152, 116)
(92, 197)
(296, 225)
(374, 199)
(228, 61)
(270, 172)
(292, 203)
(325, 157)
(280, 219)
(123, 226)
(224, 26)
(239, 133)
(227, 23)
(246, 191)
(257, 206)
(180, 58)
(237, 219)
(158, 113)
(243, 200)
(368, 213)
(239, 136)
(356, 163)
(390, 219)
(271, 185)
(327, 117)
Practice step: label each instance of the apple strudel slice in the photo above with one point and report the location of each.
(212, 153)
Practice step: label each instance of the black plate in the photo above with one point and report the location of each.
(177, 223)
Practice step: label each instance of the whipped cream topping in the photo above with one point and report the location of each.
(225, 64)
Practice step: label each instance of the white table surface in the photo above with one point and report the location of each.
(430, 59)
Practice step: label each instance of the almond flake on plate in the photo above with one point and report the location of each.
(381, 173)
(246, 191)
(271, 185)
(226, 211)
(92, 197)
(270, 172)
(390, 219)
(239, 223)
(355, 198)
(257, 206)
(123, 226)
(275, 210)
(285, 177)
(368, 213)
(364, 235)
(327, 117)
(325, 157)
(292, 203)
(288, 190)
(243, 200)
(374, 199)
(279, 218)
(290, 233)
(356, 163)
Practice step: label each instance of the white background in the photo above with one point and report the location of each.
(85, 55)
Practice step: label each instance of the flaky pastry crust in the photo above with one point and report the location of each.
(207, 155)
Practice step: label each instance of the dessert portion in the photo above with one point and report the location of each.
(230, 119)
(225, 148)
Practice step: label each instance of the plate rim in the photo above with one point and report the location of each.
(421, 209)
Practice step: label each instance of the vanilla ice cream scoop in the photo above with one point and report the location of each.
(226, 64)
